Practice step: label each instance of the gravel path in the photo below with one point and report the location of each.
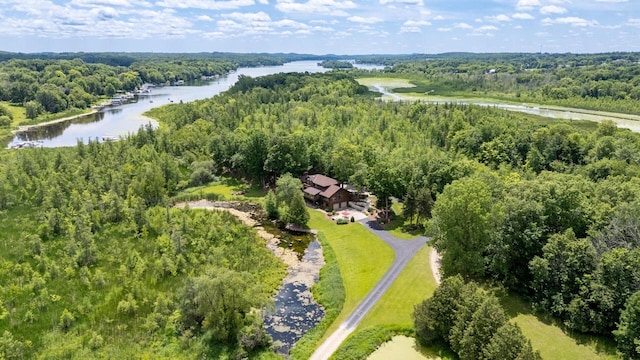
(435, 260)
(404, 251)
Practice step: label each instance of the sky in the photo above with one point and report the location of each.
(320, 26)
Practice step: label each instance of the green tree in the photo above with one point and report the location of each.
(11, 348)
(51, 98)
(628, 333)
(291, 204)
(33, 109)
(219, 302)
(297, 212)
(484, 324)
(271, 205)
(409, 205)
(463, 222)
(434, 317)
(562, 270)
(384, 182)
(509, 343)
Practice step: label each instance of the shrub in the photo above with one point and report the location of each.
(342, 221)
(5, 121)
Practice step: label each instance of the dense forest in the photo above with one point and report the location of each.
(53, 86)
(546, 209)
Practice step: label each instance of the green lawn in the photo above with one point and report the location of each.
(552, 342)
(17, 112)
(362, 257)
(414, 284)
(397, 225)
(226, 188)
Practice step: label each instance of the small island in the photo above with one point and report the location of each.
(336, 64)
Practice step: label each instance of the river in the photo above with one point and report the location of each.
(385, 87)
(128, 118)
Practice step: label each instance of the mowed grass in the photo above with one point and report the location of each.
(399, 223)
(414, 285)
(552, 342)
(363, 259)
(227, 188)
(17, 113)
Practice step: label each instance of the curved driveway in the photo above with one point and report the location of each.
(404, 251)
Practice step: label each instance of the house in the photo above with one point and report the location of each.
(325, 192)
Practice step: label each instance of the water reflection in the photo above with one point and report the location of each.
(55, 130)
(296, 311)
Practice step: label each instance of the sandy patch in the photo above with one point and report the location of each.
(435, 260)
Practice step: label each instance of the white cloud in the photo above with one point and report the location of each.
(497, 18)
(444, 29)
(325, 7)
(205, 4)
(408, 2)
(416, 23)
(413, 26)
(634, 22)
(92, 3)
(463, 26)
(552, 9)
(528, 4)
(204, 18)
(571, 20)
(248, 17)
(365, 20)
(486, 28)
(522, 16)
(612, 1)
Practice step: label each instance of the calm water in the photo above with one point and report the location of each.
(631, 122)
(128, 118)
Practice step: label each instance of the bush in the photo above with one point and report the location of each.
(353, 219)
(342, 221)
(5, 112)
(5, 121)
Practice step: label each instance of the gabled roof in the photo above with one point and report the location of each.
(332, 190)
(322, 181)
(312, 191)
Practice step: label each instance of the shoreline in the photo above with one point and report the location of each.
(23, 128)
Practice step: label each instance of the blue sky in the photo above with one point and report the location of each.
(320, 26)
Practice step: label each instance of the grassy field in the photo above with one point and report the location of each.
(552, 342)
(17, 112)
(362, 257)
(227, 189)
(414, 284)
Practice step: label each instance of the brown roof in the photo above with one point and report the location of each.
(332, 190)
(322, 181)
(312, 191)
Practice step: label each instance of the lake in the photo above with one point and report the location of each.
(128, 118)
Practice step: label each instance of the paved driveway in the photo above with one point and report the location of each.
(404, 250)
